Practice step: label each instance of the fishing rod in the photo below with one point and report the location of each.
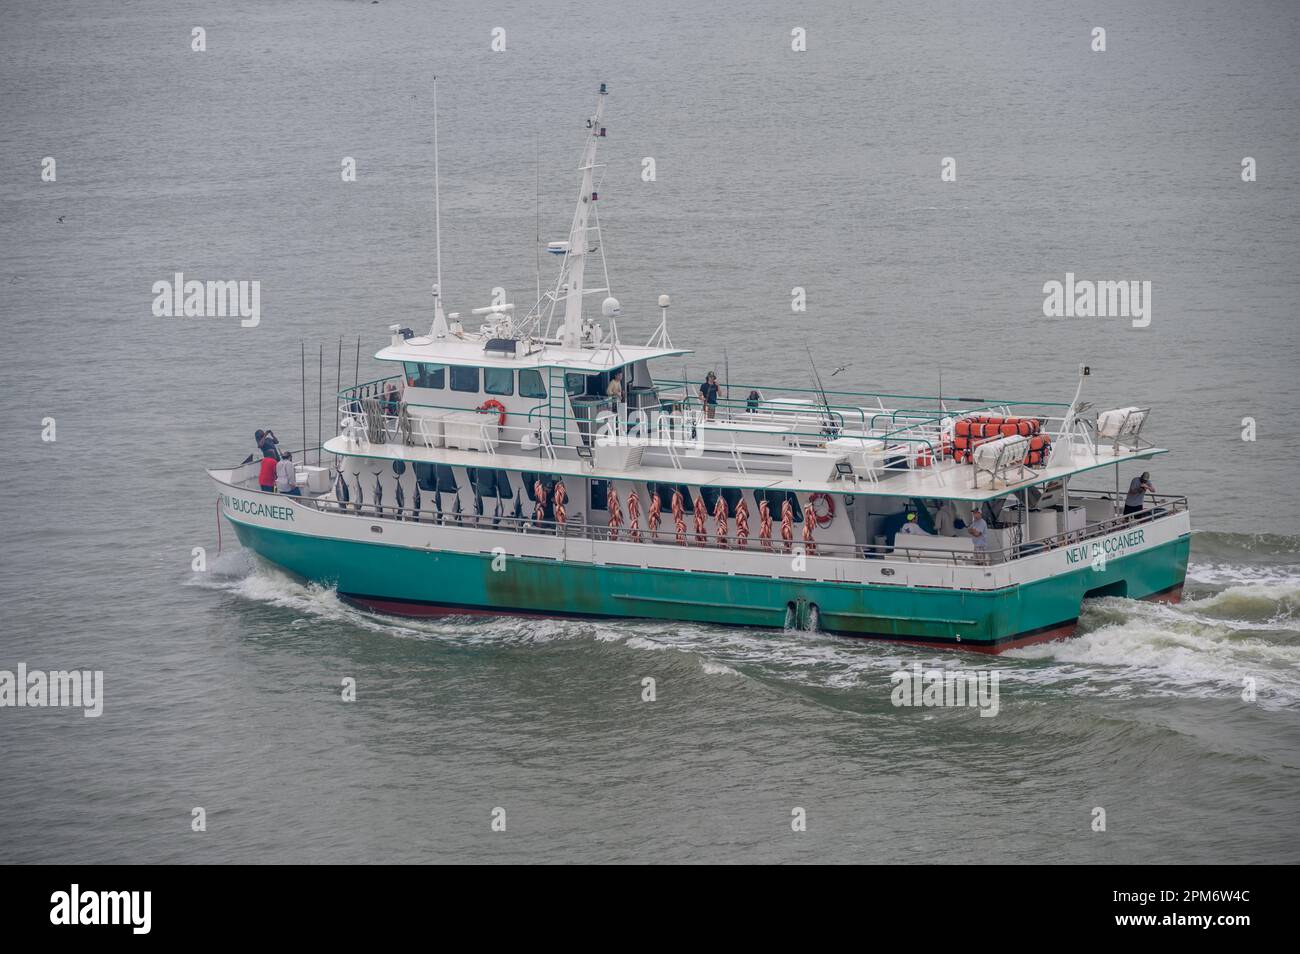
(821, 390)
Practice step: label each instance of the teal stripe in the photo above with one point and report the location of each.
(547, 586)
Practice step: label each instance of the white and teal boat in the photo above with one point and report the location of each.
(496, 471)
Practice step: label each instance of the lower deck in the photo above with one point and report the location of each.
(410, 563)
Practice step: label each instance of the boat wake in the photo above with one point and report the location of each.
(1207, 647)
(239, 575)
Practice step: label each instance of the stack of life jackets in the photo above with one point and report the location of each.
(970, 432)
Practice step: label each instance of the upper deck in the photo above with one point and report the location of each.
(774, 438)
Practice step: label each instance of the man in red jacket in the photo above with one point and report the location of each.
(266, 474)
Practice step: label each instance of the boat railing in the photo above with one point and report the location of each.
(370, 420)
(815, 395)
(731, 541)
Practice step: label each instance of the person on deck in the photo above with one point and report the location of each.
(615, 387)
(978, 530)
(944, 519)
(911, 526)
(392, 400)
(709, 395)
(266, 474)
(284, 475)
(267, 443)
(1138, 488)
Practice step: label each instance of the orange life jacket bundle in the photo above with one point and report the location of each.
(970, 432)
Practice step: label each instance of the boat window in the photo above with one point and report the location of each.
(435, 477)
(599, 495)
(732, 496)
(421, 375)
(499, 381)
(710, 495)
(464, 379)
(424, 476)
(489, 482)
(575, 382)
(530, 383)
(446, 478)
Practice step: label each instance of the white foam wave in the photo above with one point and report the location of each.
(1203, 648)
(717, 669)
(261, 583)
(1226, 574)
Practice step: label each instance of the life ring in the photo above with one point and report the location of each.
(823, 519)
(494, 405)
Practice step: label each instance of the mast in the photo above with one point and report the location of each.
(576, 257)
(439, 329)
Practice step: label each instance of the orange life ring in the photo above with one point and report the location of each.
(823, 519)
(494, 405)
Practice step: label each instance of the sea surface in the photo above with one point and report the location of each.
(773, 170)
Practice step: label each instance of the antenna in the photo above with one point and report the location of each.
(537, 211)
(439, 329)
(437, 208)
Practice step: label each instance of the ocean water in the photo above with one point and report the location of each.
(774, 169)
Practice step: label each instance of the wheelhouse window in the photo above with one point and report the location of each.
(575, 382)
(464, 379)
(422, 375)
(530, 383)
(499, 381)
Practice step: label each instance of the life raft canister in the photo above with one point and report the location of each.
(494, 405)
(823, 518)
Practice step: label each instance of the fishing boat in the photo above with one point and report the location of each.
(540, 464)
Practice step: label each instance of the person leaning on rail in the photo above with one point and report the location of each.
(1138, 488)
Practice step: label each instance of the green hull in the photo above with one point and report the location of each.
(429, 582)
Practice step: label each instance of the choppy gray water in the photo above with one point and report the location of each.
(775, 169)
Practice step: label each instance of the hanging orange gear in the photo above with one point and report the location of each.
(765, 524)
(787, 523)
(679, 519)
(539, 499)
(652, 521)
(560, 496)
(742, 523)
(634, 516)
(720, 516)
(615, 513)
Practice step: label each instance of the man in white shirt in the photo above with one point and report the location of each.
(978, 531)
(284, 482)
(944, 519)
